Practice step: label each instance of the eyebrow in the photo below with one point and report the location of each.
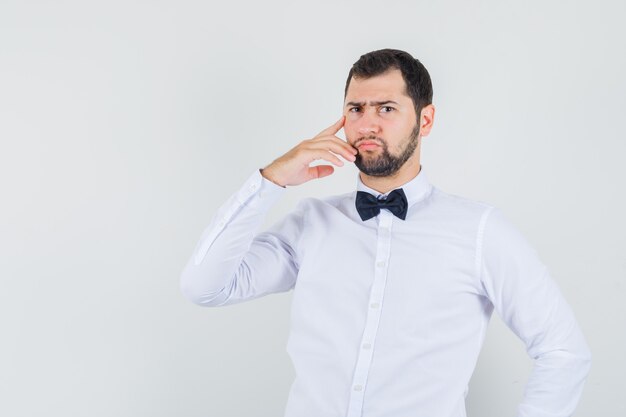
(372, 103)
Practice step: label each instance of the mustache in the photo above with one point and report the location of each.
(378, 140)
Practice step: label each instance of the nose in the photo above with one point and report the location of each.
(368, 123)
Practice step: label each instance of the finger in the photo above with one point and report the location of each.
(331, 130)
(337, 146)
(326, 156)
(320, 171)
(337, 140)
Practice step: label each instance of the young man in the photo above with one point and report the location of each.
(394, 283)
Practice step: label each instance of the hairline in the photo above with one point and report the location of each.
(405, 90)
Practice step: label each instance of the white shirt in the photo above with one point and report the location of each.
(388, 316)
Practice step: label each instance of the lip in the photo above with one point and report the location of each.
(365, 145)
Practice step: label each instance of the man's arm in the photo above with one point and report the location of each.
(530, 303)
(231, 263)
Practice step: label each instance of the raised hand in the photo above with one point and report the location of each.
(293, 167)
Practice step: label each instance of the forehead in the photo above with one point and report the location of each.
(387, 86)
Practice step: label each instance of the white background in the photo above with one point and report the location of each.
(125, 124)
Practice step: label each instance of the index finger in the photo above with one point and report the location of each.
(331, 130)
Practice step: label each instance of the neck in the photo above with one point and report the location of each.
(385, 184)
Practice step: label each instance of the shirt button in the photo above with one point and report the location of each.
(374, 305)
(380, 264)
(221, 223)
(367, 346)
(253, 186)
(358, 387)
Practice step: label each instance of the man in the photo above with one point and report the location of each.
(394, 283)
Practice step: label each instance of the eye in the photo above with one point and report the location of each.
(353, 108)
(387, 107)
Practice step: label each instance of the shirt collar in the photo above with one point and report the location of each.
(415, 189)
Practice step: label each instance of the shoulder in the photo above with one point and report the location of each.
(458, 202)
(493, 224)
(456, 208)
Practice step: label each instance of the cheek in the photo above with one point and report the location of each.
(350, 131)
(400, 130)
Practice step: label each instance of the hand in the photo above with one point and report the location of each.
(293, 167)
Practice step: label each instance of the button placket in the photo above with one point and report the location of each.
(368, 339)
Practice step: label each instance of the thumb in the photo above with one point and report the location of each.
(320, 171)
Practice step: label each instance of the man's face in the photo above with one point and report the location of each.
(381, 123)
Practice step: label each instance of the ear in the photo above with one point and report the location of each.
(427, 118)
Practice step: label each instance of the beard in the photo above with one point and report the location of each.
(386, 164)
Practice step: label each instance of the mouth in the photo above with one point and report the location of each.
(367, 145)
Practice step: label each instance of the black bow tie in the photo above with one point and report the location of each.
(369, 206)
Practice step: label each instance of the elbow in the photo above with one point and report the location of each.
(577, 358)
(574, 356)
(188, 291)
(583, 364)
(197, 294)
(583, 354)
(586, 360)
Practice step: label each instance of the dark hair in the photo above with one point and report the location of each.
(416, 79)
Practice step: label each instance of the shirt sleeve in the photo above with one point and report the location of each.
(231, 263)
(532, 306)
